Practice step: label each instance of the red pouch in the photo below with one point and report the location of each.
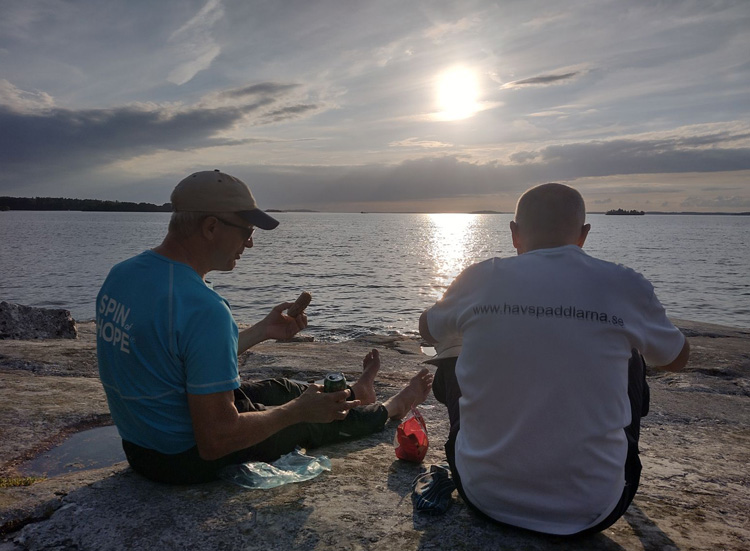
(411, 438)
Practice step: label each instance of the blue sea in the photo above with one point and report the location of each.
(373, 273)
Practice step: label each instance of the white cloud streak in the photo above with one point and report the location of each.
(193, 45)
(22, 101)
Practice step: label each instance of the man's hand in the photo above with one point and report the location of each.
(278, 325)
(317, 406)
(220, 429)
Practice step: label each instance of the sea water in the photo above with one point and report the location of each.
(370, 272)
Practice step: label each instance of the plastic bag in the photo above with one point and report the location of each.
(292, 467)
(411, 438)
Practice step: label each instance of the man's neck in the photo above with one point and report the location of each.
(539, 246)
(179, 250)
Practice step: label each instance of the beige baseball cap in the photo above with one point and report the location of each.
(215, 191)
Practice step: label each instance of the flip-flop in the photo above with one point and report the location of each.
(431, 490)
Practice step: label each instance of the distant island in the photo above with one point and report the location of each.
(94, 205)
(91, 205)
(98, 205)
(623, 212)
(693, 213)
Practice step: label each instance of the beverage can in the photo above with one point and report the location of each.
(333, 382)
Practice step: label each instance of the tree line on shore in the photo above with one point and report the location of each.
(58, 203)
(99, 205)
(625, 212)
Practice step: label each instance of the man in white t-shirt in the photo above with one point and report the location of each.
(549, 388)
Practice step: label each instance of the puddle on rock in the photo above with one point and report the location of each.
(85, 450)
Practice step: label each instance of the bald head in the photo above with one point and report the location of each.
(547, 216)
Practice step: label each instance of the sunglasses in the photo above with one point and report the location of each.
(247, 231)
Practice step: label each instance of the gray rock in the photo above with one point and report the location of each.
(25, 323)
(695, 448)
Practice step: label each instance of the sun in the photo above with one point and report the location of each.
(457, 94)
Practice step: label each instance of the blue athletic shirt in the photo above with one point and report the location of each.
(162, 332)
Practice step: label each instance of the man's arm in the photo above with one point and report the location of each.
(220, 429)
(424, 329)
(276, 325)
(680, 361)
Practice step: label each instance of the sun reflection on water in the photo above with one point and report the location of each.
(449, 246)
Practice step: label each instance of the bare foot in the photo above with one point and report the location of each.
(364, 388)
(411, 395)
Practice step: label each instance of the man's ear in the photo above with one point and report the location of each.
(514, 234)
(584, 233)
(208, 227)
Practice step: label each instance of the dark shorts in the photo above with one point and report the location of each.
(188, 467)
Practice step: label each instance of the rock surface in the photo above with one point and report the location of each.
(694, 492)
(24, 322)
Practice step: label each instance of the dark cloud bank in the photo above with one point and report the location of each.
(42, 150)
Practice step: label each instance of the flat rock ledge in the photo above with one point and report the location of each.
(694, 492)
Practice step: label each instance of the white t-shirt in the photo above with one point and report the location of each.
(543, 372)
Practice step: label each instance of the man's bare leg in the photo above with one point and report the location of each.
(411, 395)
(364, 388)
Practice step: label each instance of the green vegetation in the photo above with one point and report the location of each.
(17, 481)
(57, 203)
(625, 212)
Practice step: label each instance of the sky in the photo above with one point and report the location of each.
(380, 105)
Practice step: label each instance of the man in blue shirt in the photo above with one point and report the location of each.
(167, 347)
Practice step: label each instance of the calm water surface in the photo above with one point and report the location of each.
(372, 273)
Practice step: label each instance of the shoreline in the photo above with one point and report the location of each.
(59, 204)
(325, 336)
(693, 495)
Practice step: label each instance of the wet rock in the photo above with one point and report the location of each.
(25, 323)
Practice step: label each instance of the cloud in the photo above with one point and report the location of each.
(40, 139)
(647, 156)
(194, 45)
(522, 157)
(431, 178)
(95, 137)
(287, 100)
(447, 176)
(717, 202)
(23, 101)
(54, 145)
(555, 113)
(442, 31)
(542, 80)
(262, 89)
(289, 112)
(418, 143)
